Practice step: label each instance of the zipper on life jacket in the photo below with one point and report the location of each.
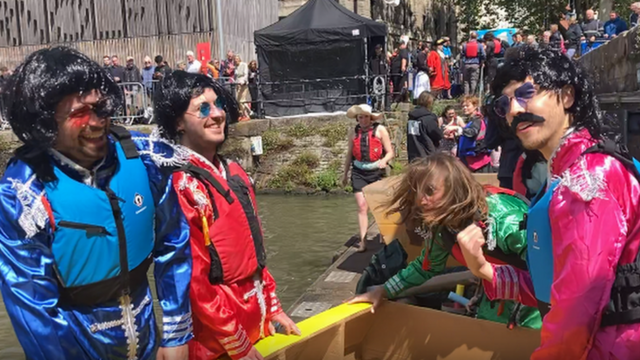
(88, 228)
(114, 201)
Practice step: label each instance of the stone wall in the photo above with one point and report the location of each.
(614, 65)
(302, 154)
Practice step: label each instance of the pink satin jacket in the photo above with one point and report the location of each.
(595, 223)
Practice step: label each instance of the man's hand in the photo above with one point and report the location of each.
(289, 326)
(253, 355)
(173, 353)
(373, 297)
(471, 240)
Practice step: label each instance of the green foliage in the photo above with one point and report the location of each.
(333, 133)
(272, 141)
(326, 180)
(291, 175)
(398, 168)
(308, 159)
(622, 7)
(300, 130)
(336, 164)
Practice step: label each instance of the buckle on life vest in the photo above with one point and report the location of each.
(623, 306)
(523, 223)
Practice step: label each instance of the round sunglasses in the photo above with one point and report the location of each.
(524, 93)
(205, 108)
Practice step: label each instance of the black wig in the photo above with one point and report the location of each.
(33, 92)
(552, 71)
(172, 100)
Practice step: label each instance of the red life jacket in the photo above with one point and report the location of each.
(366, 146)
(497, 46)
(471, 49)
(236, 249)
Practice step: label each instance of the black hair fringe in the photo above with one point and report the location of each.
(552, 71)
(172, 100)
(33, 92)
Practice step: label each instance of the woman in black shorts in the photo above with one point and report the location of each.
(369, 153)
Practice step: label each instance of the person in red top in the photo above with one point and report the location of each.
(233, 295)
(439, 72)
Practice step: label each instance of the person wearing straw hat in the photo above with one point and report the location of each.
(369, 153)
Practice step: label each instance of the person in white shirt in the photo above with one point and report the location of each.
(193, 65)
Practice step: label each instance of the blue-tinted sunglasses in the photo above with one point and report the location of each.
(205, 108)
(502, 105)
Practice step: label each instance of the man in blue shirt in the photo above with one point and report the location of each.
(615, 26)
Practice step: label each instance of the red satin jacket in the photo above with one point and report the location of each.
(233, 298)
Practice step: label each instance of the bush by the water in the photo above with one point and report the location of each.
(333, 133)
(307, 159)
(272, 141)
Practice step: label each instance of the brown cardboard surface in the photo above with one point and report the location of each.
(399, 331)
(402, 331)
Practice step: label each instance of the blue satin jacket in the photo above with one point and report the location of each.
(123, 329)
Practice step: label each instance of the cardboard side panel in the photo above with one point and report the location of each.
(406, 332)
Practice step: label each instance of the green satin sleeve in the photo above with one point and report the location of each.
(505, 214)
(414, 275)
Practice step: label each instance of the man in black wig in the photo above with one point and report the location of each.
(583, 227)
(85, 210)
(233, 295)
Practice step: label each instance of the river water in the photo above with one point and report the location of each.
(302, 233)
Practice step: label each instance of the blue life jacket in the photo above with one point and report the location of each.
(624, 306)
(473, 146)
(102, 239)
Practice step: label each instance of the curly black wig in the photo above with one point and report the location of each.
(33, 92)
(552, 71)
(172, 100)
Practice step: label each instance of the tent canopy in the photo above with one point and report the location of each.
(315, 60)
(319, 21)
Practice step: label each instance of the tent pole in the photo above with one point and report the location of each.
(220, 34)
(366, 68)
(260, 108)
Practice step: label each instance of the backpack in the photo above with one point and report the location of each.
(383, 265)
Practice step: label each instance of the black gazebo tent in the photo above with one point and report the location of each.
(316, 59)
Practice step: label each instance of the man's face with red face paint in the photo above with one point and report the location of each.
(82, 135)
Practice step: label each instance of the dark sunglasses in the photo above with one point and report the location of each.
(205, 108)
(502, 105)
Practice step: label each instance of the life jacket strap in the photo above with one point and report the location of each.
(104, 291)
(123, 136)
(203, 175)
(624, 305)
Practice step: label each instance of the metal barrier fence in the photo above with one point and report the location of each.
(137, 97)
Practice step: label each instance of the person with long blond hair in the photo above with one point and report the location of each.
(441, 194)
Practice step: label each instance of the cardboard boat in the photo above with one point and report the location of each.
(399, 331)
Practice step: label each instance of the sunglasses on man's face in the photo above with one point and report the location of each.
(524, 93)
(205, 108)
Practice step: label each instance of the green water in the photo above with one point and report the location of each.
(302, 233)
